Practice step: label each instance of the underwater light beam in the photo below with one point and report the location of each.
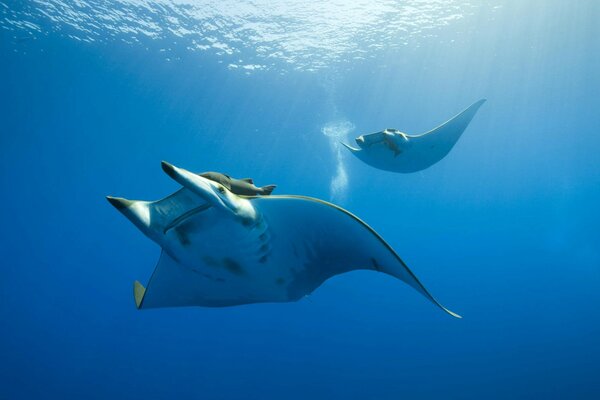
(336, 132)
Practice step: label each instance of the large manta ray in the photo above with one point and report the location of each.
(221, 249)
(392, 150)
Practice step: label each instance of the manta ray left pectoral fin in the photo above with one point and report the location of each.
(352, 149)
(138, 293)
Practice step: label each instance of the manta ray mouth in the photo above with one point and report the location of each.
(185, 216)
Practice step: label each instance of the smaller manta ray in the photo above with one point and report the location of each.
(392, 150)
(220, 249)
(242, 187)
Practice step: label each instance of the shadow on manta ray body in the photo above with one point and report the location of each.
(221, 249)
(392, 150)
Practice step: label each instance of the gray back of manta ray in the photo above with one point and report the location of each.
(392, 150)
(220, 249)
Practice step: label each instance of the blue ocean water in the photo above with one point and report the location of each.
(504, 230)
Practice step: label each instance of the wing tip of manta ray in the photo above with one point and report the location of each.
(437, 303)
(424, 291)
(118, 202)
(455, 315)
(471, 110)
(138, 293)
(477, 104)
(352, 149)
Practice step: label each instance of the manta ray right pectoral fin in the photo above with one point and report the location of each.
(401, 271)
(138, 293)
(346, 240)
(454, 127)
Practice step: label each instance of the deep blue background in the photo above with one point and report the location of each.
(504, 231)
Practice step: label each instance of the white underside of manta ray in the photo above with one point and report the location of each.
(392, 150)
(220, 249)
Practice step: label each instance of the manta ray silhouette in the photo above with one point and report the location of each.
(392, 150)
(222, 249)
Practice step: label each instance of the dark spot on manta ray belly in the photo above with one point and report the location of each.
(233, 266)
(264, 247)
(182, 237)
(228, 263)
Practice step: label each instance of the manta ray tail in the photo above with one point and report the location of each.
(267, 190)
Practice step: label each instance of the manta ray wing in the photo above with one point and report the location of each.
(430, 147)
(169, 286)
(174, 284)
(334, 241)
